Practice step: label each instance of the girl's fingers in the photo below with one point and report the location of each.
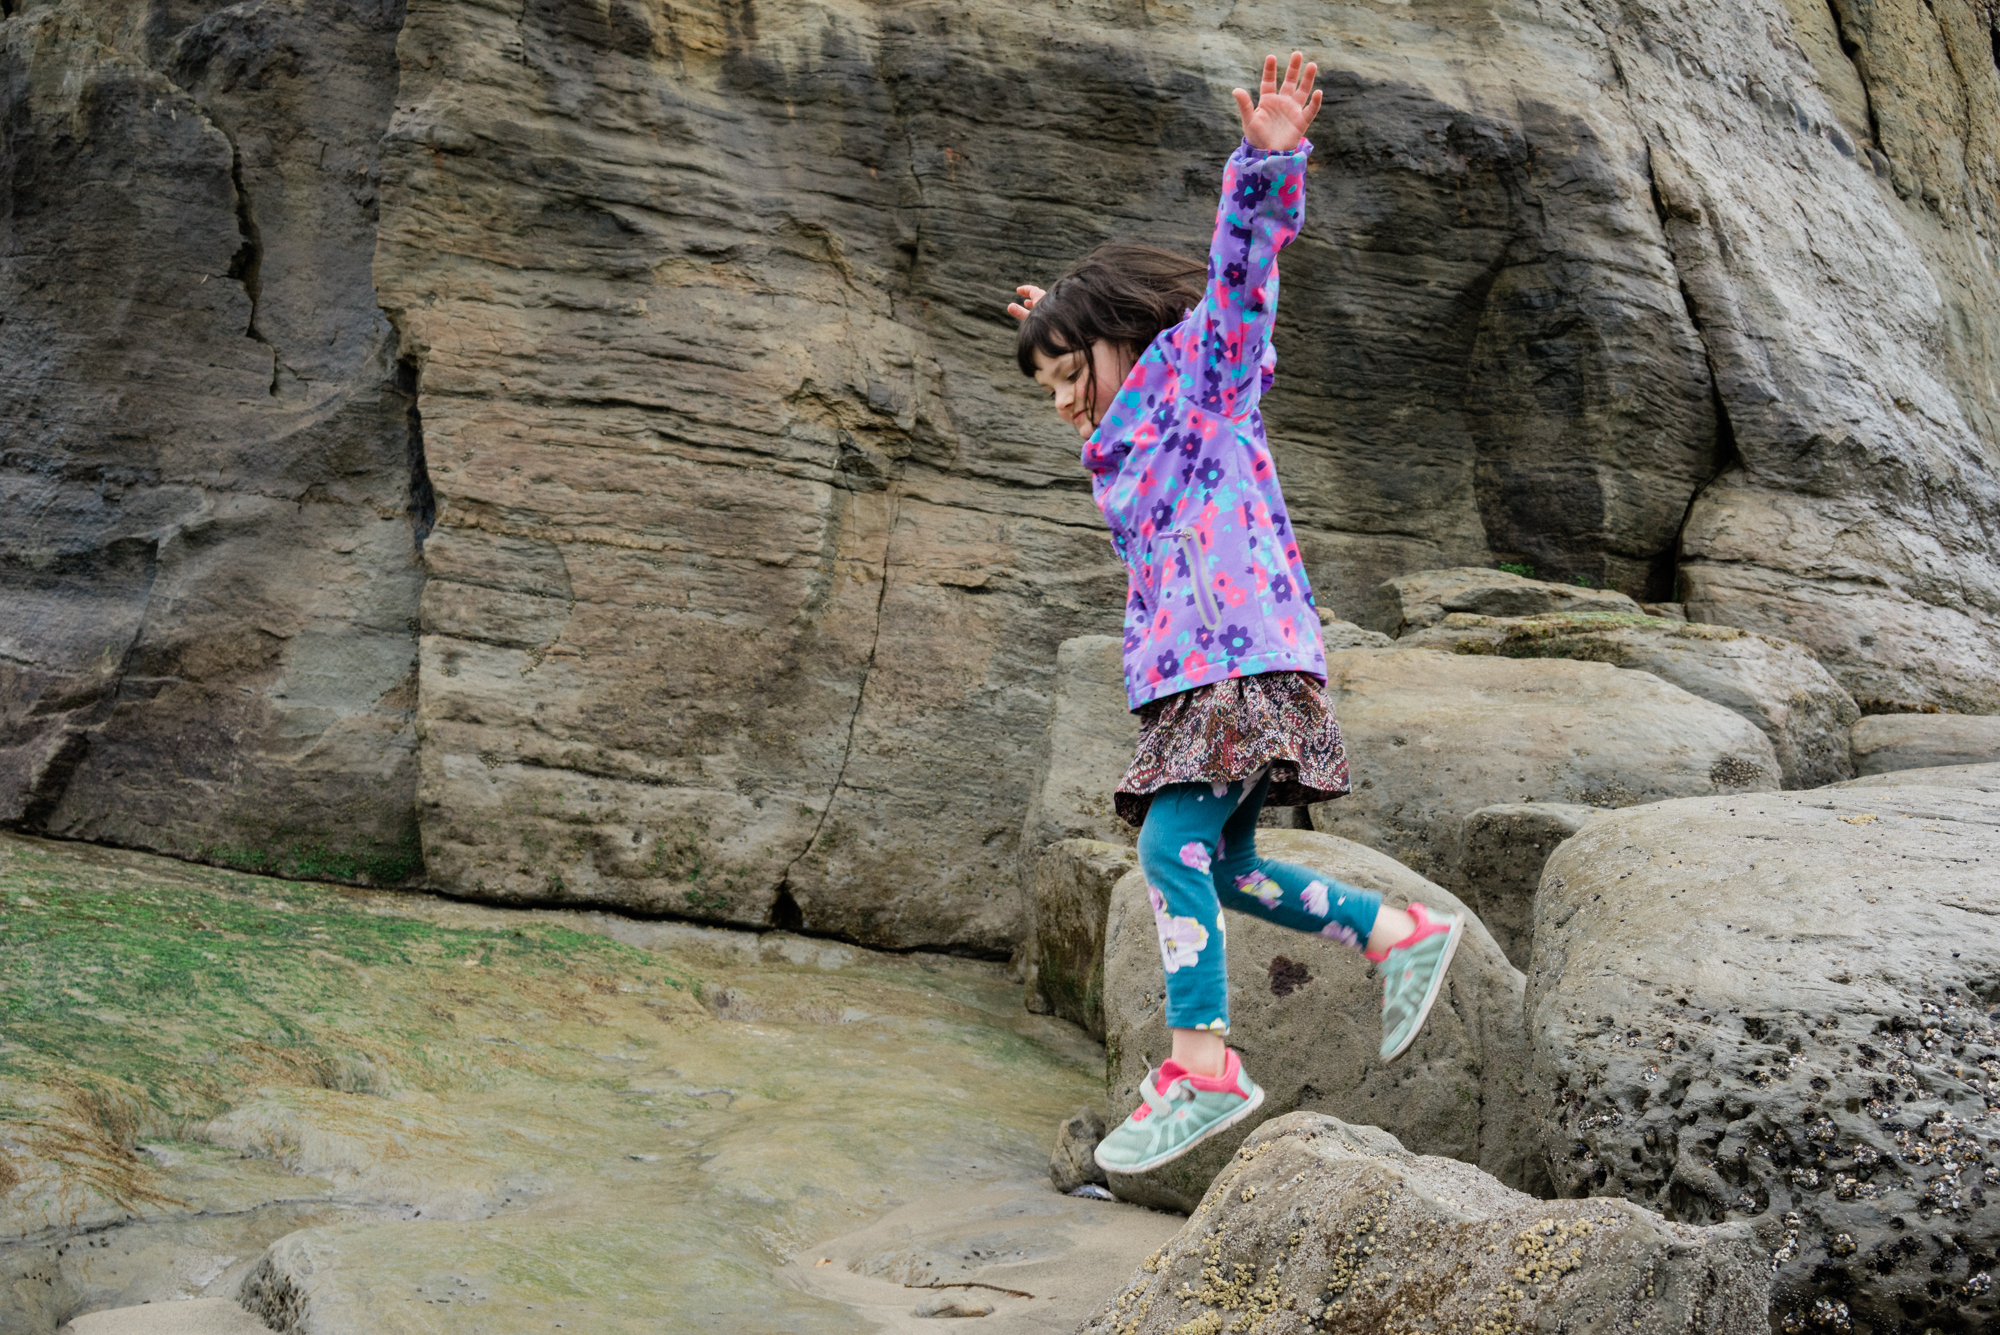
(1017, 310)
(1243, 108)
(1312, 110)
(1307, 79)
(1270, 83)
(1292, 72)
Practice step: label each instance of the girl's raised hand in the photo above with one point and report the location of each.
(1282, 112)
(1030, 294)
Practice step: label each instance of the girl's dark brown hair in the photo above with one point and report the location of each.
(1123, 291)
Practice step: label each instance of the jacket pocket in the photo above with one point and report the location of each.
(1197, 564)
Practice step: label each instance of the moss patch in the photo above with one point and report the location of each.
(625, 1127)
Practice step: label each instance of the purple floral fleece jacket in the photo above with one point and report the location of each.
(1180, 467)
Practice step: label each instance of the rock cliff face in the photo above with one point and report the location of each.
(751, 553)
(208, 569)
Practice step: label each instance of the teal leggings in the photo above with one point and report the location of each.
(1198, 849)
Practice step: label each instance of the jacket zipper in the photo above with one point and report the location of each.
(1204, 597)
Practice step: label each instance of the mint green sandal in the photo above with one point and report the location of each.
(1180, 1111)
(1412, 975)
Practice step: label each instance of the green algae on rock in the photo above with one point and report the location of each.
(471, 1117)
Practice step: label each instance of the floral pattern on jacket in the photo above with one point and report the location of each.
(1181, 469)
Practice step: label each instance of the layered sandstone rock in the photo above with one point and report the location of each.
(1418, 601)
(753, 552)
(1775, 1008)
(1826, 177)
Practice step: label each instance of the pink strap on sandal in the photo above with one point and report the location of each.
(1426, 926)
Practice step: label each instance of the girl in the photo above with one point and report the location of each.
(1223, 659)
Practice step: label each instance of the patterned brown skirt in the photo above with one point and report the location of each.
(1229, 730)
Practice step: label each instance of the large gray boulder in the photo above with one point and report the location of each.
(1338, 634)
(1305, 1013)
(1316, 1225)
(1774, 683)
(1432, 737)
(1886, 742)
(1500, 865)
(1425, 598)
(1773, 1007)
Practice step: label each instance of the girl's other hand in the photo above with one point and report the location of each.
(1029, 294)
(1282, 112)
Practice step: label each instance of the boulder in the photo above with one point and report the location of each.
(1305, 1013)
(1773, 1007)
(1415, 601)
(1773, 682)
(1886, 742)
(1315, 1225)
(1071, 892)
(1500, 865)
(1073, 1161)
(1979, 778)
(1433, 737)
(1338, 634)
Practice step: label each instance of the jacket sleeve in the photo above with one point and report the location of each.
(1263, 206)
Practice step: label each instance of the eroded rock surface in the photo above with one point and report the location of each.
(1306, 1013)
(1315, 1225)
(1772, 682)
(1775, 1008)
(1500, 865)
(1856, 515)
(1432, 737)
(753, 552)
(1423, 599)
(1885, 742)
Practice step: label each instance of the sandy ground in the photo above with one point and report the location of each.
(1043, 1262)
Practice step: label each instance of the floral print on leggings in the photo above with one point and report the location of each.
(1198, 850)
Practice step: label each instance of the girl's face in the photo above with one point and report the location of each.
(1069, 377)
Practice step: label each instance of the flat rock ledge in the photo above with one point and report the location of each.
(1319, 1226)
